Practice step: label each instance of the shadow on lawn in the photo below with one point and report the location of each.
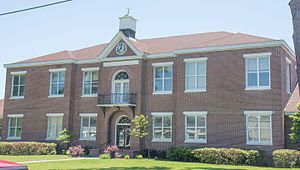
(156, 168)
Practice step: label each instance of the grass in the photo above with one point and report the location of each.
(31, 158)
(135, 164)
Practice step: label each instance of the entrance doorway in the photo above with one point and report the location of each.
(122, 132)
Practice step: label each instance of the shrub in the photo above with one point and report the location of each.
(87, 150)
(229, 156)
(153, 153)
(76, 151)
(105, 156)
(27, 148)
(127, 157)
(112, 150)
(285, 158)
(139, 156)
(123, 155)
(180, 154)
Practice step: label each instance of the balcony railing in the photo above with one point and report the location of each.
(116, 99)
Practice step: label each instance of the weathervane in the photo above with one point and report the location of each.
(128, 11)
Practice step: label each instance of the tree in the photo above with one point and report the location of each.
(295, 135)
(65, 136)
(141, 129)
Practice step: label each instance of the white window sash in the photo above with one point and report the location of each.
(15, 127)
(89, 116)
(92, 72)
(196, 116)
(18, 74)
(162, 127)
(196, 75)
(58, 82)
(288, 78)
(56, 116)
(259, 128)
(163, 91)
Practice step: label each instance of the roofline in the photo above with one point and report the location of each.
(280, 43)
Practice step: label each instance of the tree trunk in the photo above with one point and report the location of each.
(148, 151)
(295, 9)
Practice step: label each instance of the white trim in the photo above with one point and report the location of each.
(54, 114)
(92, 72)
(122, 58)
(90, 95)
(161, 55)
(120, 63)
(162, 140)
(162, 64)
(195, 91)
(18, 72)
(15, 115)
(16, 97)
(190, 60)
(195, 141)
(256, 55)
(162, 113)
(162, 92)
(18, 86)
(56, 96)
(116, 126)
(258, 88)
(195, 113)
(90, 69)
(39, 63)
(288, 60)
(57, 70)
(289, 113)
(114, 105)
(258, 112)
(13, 138)
(88, 139)
(88, 114)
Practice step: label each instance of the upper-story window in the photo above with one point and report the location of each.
(258, 71)
(162, 78)
(57, 82)
(18, 84)
(195, 74)
(90, 81)
(287, 75)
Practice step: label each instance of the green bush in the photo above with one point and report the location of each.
(127, 157)
(180, 154)
(27, 148)
(139, 156)
(105, 156)
(285, 158)
(229, 156)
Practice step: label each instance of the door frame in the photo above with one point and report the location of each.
(113, 81)
(117, 124)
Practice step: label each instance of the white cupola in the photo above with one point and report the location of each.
(128, 25)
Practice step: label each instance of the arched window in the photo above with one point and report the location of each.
(124, 120)
(122, 76)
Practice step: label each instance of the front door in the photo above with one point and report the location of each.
(123, 137)
(121, 91)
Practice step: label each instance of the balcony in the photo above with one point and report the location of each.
(117, 100)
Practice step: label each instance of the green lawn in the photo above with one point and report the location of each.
(31, 158)
(134, 164)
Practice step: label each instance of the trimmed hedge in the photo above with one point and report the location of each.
(216, 155)
(27, 148)
(285, 158)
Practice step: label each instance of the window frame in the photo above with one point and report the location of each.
(257, 56)
(164, 64)
(56, 122)
(91, 69)
(1, 127)
(162, 114)
(195, 61)
(17, 73)
(195, 114)
(14, 116)
(59, 70)
(288, 75)
(258, 114)
(87, 115)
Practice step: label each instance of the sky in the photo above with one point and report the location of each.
(83, 23)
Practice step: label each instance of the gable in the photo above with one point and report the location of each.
(129, 51)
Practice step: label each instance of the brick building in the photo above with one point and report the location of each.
(214, 89)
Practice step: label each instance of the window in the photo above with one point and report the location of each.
(258, 71)
(162, 127)
(57, 82)
(259, 127)
(1, 119)
(18, 84)
(90, 83)
(195, 74)
(162, 78)
(88, 126)
(288, 78)
(195, 127)
(55, 122)
(15, 126)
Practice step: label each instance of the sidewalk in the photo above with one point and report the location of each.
(56, 160)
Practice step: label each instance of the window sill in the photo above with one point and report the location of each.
(89, 95)
(89, 139)
(259, 143)
(51, 139)
(288, 92)
(16, 97)
(56, 96)
(13, 138)
(258, 88)
(195, 141)
(161, 140)
(195, 91)
(166, 92)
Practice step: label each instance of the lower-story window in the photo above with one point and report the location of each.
(162, 127)
(259, 127)
(15, 126)
(195, 126)
(88, 126)
(55, 122)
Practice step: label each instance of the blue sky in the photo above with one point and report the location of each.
(83, 23)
